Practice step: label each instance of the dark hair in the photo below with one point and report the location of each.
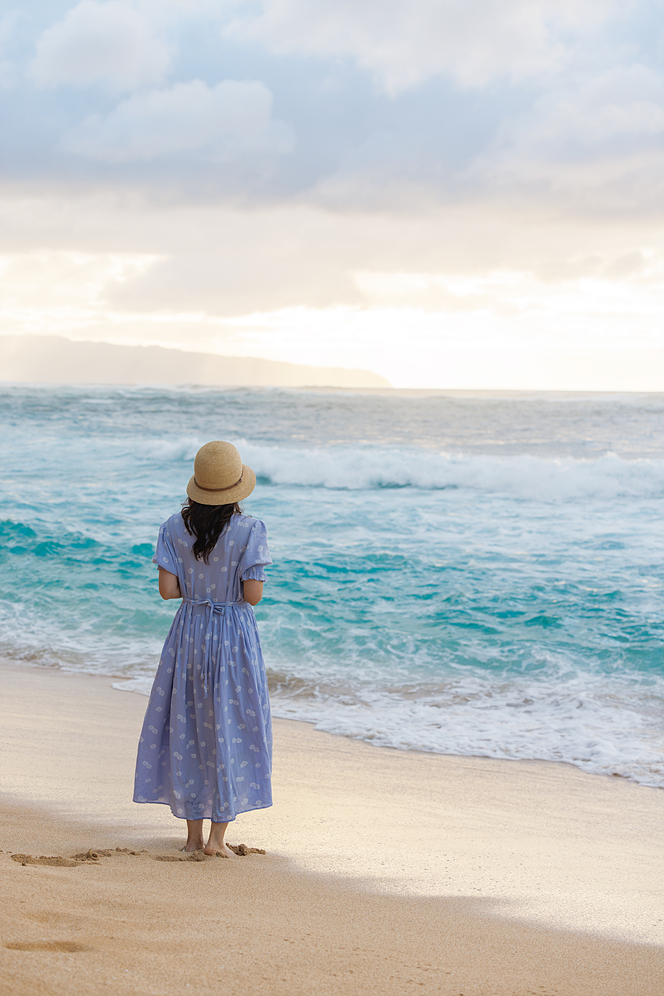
(207, 523)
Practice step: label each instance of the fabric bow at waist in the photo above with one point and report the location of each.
(208, 601)
(218, 608)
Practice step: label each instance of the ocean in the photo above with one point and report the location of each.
(458, 573)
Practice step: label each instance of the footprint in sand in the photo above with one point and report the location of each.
(243, 850)
(58, 861)
(68, 946)
(192, 856)
(94, 856)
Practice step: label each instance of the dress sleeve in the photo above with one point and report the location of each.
(255, 555)
(165, 555)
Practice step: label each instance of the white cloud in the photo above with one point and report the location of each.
(109, 43)
(404, 42)
(625, 103)
(228, 120)
(64, 281)
(598, 143)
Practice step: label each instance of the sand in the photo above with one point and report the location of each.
(385, 872)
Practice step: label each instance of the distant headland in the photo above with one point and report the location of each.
(57, 360)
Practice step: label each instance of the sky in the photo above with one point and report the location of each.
(451, 193)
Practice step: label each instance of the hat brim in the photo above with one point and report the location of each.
(226, 496)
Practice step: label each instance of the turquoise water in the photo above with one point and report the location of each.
(454, 574)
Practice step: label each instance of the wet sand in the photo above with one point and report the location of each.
(385, 872)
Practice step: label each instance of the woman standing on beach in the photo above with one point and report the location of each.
(206, 745)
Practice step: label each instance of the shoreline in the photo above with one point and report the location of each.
(117, 681)
(385, 869)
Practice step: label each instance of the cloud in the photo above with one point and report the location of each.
(442, 168)
(404, 42)
(224, 121)
(64, 282)
(607, 111)
(541, 79)
(108, 43)
(597, 145)
(226, 260)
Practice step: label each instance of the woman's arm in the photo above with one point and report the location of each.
(253, 591)
(169, 586)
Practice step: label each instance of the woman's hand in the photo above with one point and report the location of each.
(253, 591)
(169, 586)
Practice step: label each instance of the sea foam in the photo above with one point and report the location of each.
(366, 468)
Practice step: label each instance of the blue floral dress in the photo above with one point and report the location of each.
(206, 745)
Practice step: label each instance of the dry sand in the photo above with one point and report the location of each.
(386, 872)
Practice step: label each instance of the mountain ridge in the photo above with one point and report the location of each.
(57, 359)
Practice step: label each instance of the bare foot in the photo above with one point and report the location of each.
(219, 850)
(193, 845)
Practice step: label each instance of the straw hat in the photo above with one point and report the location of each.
(220, 477)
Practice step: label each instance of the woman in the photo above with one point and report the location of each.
(206, 745)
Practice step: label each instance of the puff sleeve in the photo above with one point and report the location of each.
(165, 555)
(256, 554)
